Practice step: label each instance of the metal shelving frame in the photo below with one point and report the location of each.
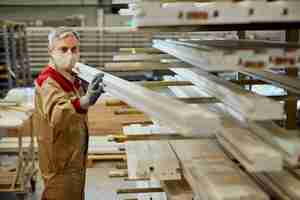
(14, 57)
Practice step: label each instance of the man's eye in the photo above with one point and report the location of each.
(64, 49)
(74, 50)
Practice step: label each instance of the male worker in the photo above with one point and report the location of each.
(61, 120)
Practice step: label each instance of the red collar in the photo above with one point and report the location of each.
(64, 83)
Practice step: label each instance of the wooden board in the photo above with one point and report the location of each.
(182, 117)
(152, 84)
(10, 144)
(288, 183)
(211, 174)
(140, 50)
(198, 149)
(221, 180)
(15, 120)
(286, 142)
(118, 173)
(11, 118)
(103, 121)
(141, 57)
(177, 190)
(152, 190)
(240, 142)
(138, 129)
(249, 150)
(106, 157)
(6, 179)
(247, 104)
(154, 159)
(280, 185)
(141, 66)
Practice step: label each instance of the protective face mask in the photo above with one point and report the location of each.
(64, 61)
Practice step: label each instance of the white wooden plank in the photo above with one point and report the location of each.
(280, 185)
(249, 105)
(286, 142)
(177, 190)
(141, 66)
(221, 180)
(140, 57)
(156, 14)
(201, 149)
(12, 118)
(183, 118)
(240, 141)
(150, 184)
(154, 159)
(288, 183)
(136, 129)
(250, 151)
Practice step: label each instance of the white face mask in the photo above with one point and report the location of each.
(64, 61)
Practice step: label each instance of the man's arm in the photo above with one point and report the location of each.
(59, 108)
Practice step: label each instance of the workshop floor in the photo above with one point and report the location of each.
(98, 187)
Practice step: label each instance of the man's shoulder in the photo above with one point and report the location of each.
(51, 77)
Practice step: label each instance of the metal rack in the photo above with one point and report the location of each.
(273, 183)
(283, 22)
(14, 69)
(97, 45)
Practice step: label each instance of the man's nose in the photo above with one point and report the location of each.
(69, 51)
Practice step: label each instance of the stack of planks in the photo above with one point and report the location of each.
(211, 174)
(207, 164)
(103, 120)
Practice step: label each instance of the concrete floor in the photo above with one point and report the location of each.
(98, 186)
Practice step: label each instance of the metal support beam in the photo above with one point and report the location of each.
(292, 35)
(291, 103)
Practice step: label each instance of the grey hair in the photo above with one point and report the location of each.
(60, 33)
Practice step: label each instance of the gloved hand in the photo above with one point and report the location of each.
(95, 89)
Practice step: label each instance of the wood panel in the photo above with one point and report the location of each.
(286, 142)
(177, 190)
(141, 66)
(197, 149)
(249, 150)
(154, 159)
(280, 185)
(103, 120)
(212, 180)
(239, 141)
(211, 174)
(141, 57)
